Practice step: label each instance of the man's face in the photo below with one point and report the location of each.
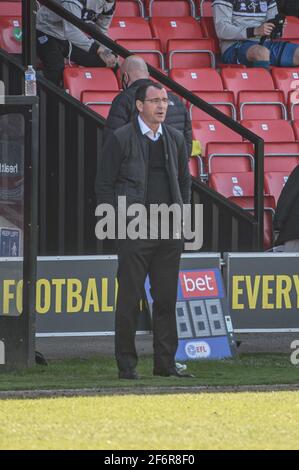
(153, 109)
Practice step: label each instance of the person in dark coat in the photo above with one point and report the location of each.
(286, 220)
(146, 161)
(134, 73)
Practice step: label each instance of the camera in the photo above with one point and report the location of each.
(285, 8)
(278, 22)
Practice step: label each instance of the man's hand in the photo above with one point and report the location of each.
(110, 59)
(264, 30)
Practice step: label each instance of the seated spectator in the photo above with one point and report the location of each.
(58, 39)
(244, 28)
(134, 73)
(286, 220)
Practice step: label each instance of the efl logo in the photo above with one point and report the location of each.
(199, 284)
(198, 350)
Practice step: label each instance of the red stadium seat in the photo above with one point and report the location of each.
(281, 156)
(80, 79)
(286, 79)
(296, 129)
(149, 49)
(202, 79)
(291, 28)
(129, 28)
(274, 183)
(191, 53)
(275, 130)
(175, 28)
(262, 105)
(11, 34)
(99, 101)
(195, 167)
(208, 28)
(293, 104)
(222, 100)
(10, 8)
(129, 8)
(247, 79)
(178, 8)
(229, 157)
(205, 8)
(233, 184)
(247, 203)
(213, 131)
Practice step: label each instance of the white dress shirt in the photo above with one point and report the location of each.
(145, 130)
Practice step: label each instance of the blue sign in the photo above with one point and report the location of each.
(9, 242)
(204, 326)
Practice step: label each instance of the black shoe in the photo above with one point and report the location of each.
(173, 373)
(129, 374)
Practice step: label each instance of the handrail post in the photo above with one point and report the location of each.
(28, 36)
(259, 190)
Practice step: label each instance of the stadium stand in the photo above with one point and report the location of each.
(274, 183)
(81, 79)
(99, 101)
(293, 104)
(264, 104)
(247, 203)
(191, 53)
(282, 156)
(149, 49)
(296, 129)
(126, 8)
(285, 79)
(275, 130)
(185, 46)
(291, 28)
(204, 8)
(178, 8)
(178, 28)
(213, 131)
(223, 157)
(222, 100)
(233, 184)
(129, 28)
(11, 33)
(246, 79)
(202, 79)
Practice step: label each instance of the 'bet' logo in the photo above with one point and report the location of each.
(198, 284)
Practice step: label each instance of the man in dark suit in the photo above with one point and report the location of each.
(146, 161)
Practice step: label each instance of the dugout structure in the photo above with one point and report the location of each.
(18, 227)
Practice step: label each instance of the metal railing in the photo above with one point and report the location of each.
(258, 142)
(70, 143)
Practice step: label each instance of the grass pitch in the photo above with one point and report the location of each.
(101, 372)
(191, 422)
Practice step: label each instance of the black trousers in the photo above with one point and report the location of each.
(160, 260)
(52, 53)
